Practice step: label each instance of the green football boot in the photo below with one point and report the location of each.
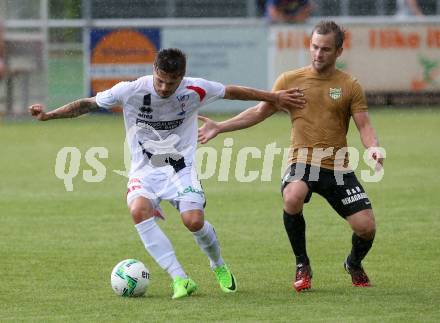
(183, 287)
(226, 279)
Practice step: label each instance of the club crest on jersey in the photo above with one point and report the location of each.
(182, 99)
(335, 93)
(182, 107)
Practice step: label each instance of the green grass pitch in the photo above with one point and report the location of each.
(57, 248)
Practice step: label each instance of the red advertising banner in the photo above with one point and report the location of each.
(120, 54)
(388, 57)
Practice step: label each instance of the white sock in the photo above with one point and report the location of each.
(159, 247)
(207, 241)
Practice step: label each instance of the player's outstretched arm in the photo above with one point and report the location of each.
(245, 119)
(70, 110)
(287, 99)
(368, 136)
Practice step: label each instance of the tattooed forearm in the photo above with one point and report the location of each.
(74, 109)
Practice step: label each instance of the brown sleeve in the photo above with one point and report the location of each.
(280, 83)
(358, 100)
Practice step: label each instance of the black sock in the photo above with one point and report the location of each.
(296, 231)
(359, 250)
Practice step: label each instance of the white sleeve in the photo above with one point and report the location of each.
(214, 90)
(113, 96)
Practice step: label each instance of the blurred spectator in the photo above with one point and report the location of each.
(288, 11)
(405, 8)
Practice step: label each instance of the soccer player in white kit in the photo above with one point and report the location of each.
(160, 114)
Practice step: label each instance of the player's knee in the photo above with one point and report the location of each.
(366, 232)
(369, 230)
(293, 204)
(194, 225)
(294, 195)
(365, 226)
(140, 213)
(193, 220)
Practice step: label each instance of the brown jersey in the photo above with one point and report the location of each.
(322, 125)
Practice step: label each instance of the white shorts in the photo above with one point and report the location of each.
(163, 184)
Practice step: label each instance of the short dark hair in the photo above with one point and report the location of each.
(326, 27)
(171, 60)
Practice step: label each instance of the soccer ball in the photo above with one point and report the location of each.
(130, 278)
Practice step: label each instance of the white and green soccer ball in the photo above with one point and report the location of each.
(130, 278)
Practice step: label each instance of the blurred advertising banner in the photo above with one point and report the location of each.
(223, 53)
(226, 54)
(384, 58)
(120, 54)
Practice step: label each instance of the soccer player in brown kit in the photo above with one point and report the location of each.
(319, 159)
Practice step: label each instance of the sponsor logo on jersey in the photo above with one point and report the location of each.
(145, 112)
(189, 189)
(355, 190)
(354, 198)
(145, 116)
(159, 125)
(335, 93)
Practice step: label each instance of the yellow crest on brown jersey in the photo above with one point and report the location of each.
(335, 93)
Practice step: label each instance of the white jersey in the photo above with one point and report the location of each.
(160, 131)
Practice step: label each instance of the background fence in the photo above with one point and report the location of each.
(47, 40)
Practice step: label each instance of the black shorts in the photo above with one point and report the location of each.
(341, 190)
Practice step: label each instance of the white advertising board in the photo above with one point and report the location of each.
(227, 54)
(387, 57)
